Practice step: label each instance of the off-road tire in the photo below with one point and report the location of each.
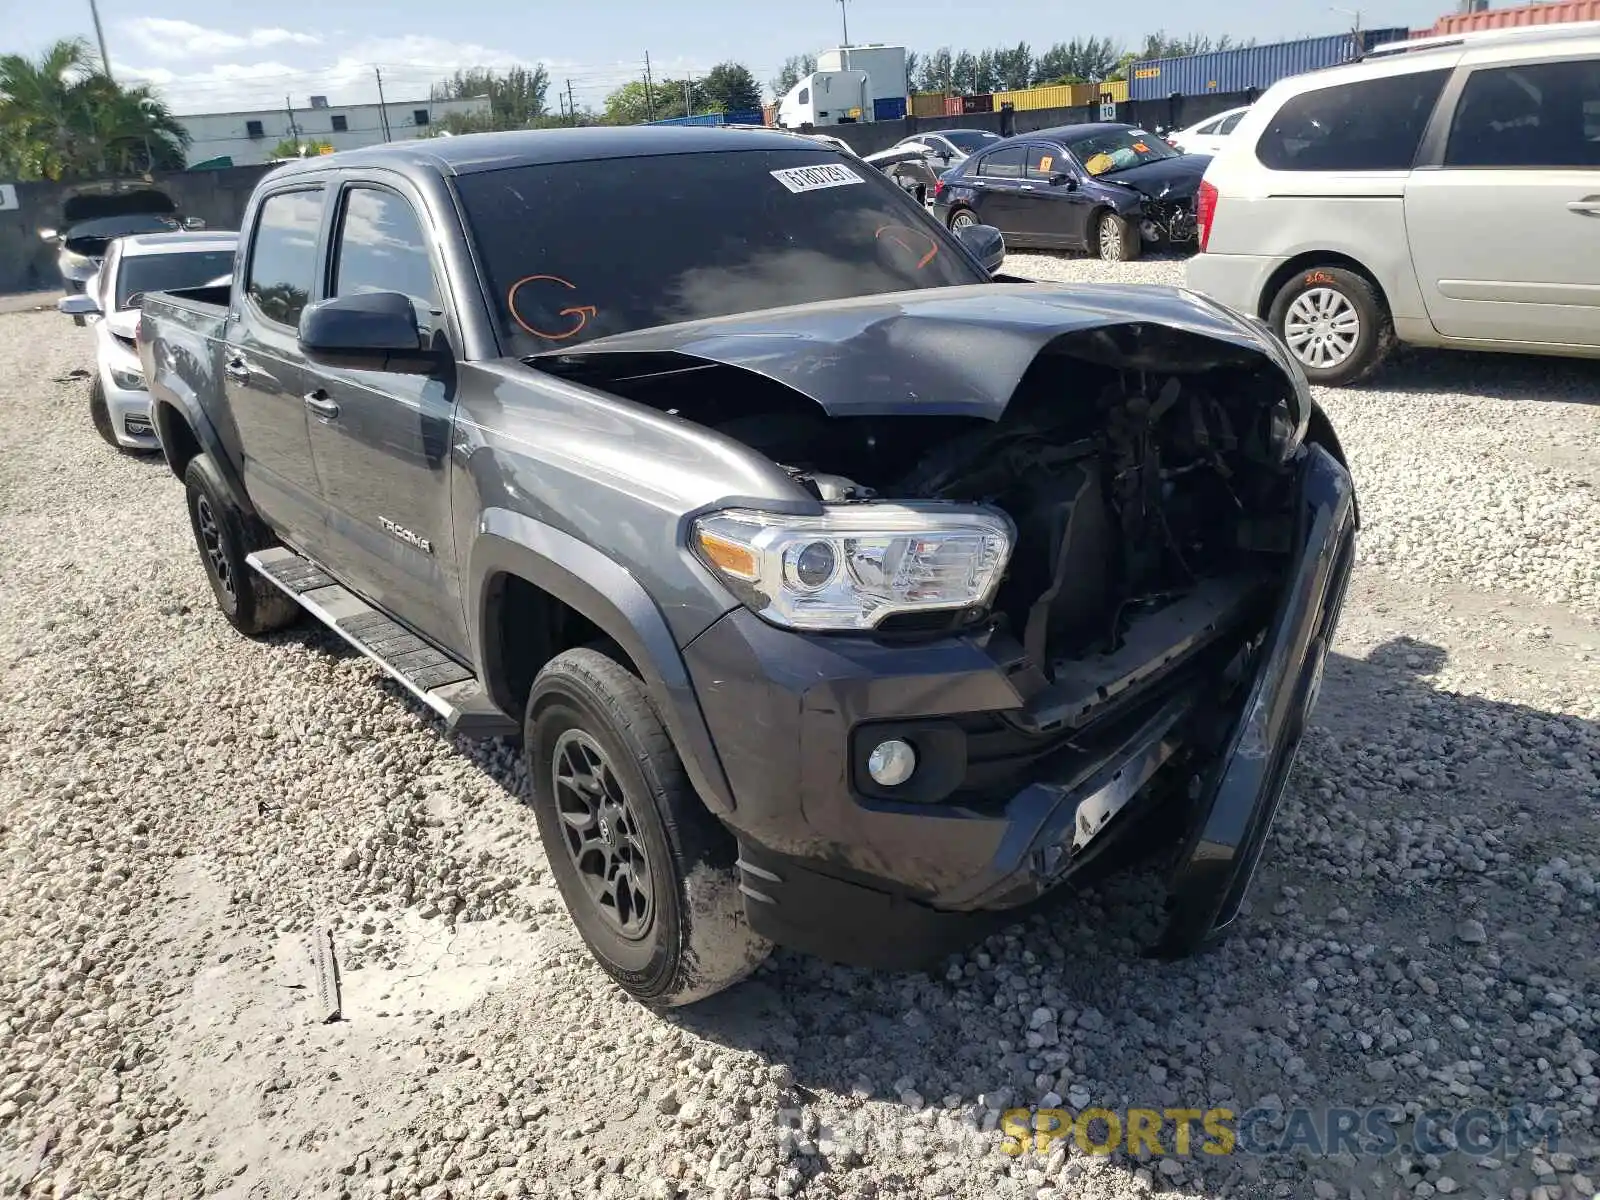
(1116, 239)
(696, 941)
(1375, 340)
(100, 414)
(224, 535)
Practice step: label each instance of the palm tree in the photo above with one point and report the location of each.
(62, 117)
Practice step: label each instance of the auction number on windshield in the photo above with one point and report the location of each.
(527, 291)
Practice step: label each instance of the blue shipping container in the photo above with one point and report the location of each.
(890, 108)
(741, 117)
(1249, 66)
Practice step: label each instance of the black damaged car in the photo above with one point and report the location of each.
(845, 595)
(1111, 190)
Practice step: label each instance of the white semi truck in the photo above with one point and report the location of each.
(850, 84)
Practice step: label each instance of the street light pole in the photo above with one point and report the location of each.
(844, 16)
(100, 36)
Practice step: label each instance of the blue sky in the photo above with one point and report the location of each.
(214, 57)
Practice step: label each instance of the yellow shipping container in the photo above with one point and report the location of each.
(1118, 88)
(927, 104)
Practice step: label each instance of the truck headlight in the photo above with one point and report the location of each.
(853, 567)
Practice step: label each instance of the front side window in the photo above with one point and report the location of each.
(283, 257)
(141, 273)
(571, 255)
(1228, 126)
(1370, 125)
(1003, 164)
(1209, 128)
(1044, 162)
(1531, 115)
(381, 248)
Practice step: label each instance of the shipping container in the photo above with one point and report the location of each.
(1249, 66)
(952, 105)
(1509, 18)
(928, 104)
(702, 119)
(978, 104)
(889, 108)
(769, 114)
(1117, 89)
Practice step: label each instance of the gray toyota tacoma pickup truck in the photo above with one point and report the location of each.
(845, 594)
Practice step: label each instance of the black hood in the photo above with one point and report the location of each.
(956, 351)
(1170, 179)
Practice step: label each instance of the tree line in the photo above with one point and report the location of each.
(63, 117)
(1010, 68)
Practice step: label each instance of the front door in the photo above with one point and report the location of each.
(1505, 232)
(1055, 208)
(382, 439)
(262, 368)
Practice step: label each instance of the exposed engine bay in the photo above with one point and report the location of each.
(1168, 221)
(1150, 504)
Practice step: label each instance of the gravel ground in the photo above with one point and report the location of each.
(180, 807)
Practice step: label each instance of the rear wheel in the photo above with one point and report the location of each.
(1334, 324)
(963, 218)
(647, 874)
(1117, 238)
(224, 535)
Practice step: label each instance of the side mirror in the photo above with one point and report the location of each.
(1062, 180)
(987, 244)
(193, 223)
(374, 331)
(78, 306)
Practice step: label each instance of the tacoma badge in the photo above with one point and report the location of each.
(405, 535)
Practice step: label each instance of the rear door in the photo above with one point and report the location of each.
(263, 369)
(996, 178)
(381, 440)
(1505, 229)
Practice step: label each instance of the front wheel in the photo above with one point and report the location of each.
(100, 414)
(647, 874)
(1118, 238)
(1334, 324)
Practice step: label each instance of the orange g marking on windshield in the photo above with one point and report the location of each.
(898, 235)
(583, 312)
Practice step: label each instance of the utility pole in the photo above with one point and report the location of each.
(100, 36)
(293, 132)
(649, 88)
(688, 110)
(844, 16)
(383, 108)
(572, 105)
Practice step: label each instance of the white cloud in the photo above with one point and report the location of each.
(410, 63)
(172, 39)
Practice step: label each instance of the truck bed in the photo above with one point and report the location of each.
(202, 309)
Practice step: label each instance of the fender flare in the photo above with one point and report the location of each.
(605, 593)
(173, 399)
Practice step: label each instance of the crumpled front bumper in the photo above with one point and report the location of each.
(899, 885)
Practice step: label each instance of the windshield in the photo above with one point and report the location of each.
(580, 250)
(142, 273)
(1113, 150)
(969, 140)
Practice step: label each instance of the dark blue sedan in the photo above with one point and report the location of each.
(1107, 189)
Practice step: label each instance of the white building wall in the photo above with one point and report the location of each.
(214, 134)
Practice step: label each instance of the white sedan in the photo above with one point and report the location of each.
(1210, 135)
(119, 402)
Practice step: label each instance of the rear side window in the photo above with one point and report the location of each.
(381, 249)
(1228, 125)
(1002, 164)
(1371, 125)
(1530, 115)
(1209, 127)
(283, 257)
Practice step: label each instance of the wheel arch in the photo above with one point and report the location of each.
(515, 561)
(1310, 260)
(184, 431)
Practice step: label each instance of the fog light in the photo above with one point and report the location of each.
(890, 764)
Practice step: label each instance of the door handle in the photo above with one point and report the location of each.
(319, 403)
(1589, 206)
(236, 370)
(1027, 187)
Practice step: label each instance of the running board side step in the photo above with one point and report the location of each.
(434, 678)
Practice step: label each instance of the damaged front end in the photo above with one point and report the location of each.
(1119, 513)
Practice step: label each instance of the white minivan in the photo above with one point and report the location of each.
(1439, 192)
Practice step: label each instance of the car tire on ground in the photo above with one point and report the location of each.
(100, 414)
(1116, 238)
(648, 875)
(960, 218)
(224, 535)
(1334, 323)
